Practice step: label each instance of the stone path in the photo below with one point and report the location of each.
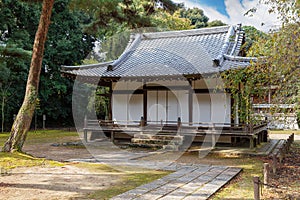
(189, 181)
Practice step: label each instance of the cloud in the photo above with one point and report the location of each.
(236, 10)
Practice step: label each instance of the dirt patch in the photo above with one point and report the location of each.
(71, 181)
(67, 182)
(50, 183)
(285, 183)
(57, 153)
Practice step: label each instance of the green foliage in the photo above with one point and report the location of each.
(166, 21)
(136, 15)
(66, 45)
(13, 68)
(277, 71)
(101, 103)
(252, 35)
(244, 84)
(111, 17)
(288, 10)
(169, 5)
(215, 23)
(115, 45)
(196, 16)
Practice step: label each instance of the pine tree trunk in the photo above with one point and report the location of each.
(2, 113)
(23, 120)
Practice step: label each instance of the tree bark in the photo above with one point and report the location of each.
(2, 113)
(23, 120)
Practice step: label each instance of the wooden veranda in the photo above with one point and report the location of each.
(217, 132)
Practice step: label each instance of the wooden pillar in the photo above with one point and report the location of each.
(145, 97)
(236, 110)
(178, 125)
(231, 109)
(85, 129)
(274, 163)
(110, 102)
(266, 175)
(213, 136)
(251, 146)
(190, 102)
(256, 187)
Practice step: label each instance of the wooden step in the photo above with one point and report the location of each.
(151, 146)
(158, 136)
(170, 127)
(156, 141)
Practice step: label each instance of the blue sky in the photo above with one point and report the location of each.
(219, 5)
(232, 12)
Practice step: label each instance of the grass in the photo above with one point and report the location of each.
(129, 177)
(13, 160)
(129, 181)
(242, 186)
(40, 136)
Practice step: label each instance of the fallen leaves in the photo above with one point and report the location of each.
(286, 181)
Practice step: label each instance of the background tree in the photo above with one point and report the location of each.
(278, 67)
(66, 45)
(9, 78)
(252, 35)
(215, 23)
(22, 122)
(196, 16)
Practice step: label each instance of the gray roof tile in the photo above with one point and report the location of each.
(173, 53)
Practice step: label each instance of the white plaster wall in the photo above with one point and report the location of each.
(201, 108)
(127, 107)
(213, 107)
(161, 106)
(173, 109)
(135, 110)
(221, 107)
(152, 106)
(182, 106)
(159, 109)
(156, 106)
(119, 107)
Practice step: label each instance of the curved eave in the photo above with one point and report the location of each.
(240, 59)
(82, 67)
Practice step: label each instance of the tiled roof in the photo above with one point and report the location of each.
(173, 53)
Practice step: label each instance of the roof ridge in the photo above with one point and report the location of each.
(239, 34)
(220, 58)
(185, 33)
(135, 41)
